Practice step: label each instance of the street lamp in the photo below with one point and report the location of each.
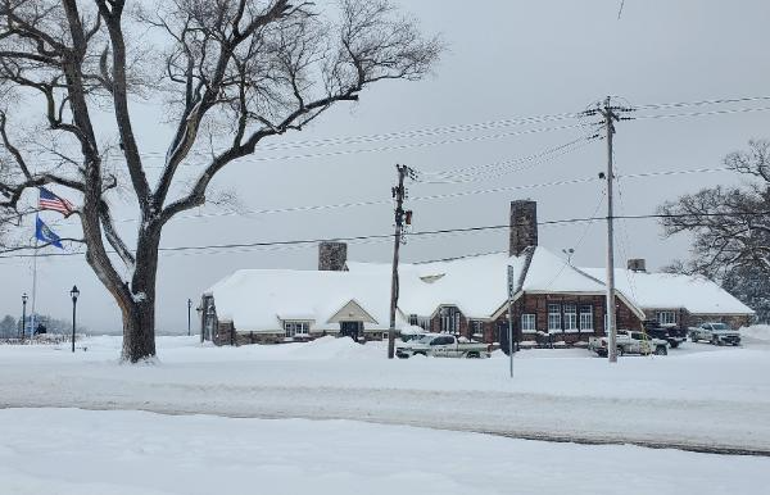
(199, 310)
(74, 293)
(24, 299)
(189, 307)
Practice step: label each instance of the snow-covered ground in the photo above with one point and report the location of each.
(758, 334)
(76, 452)
(698, 396)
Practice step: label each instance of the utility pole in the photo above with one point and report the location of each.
(611, 114)
(511, 346)
(399, 194)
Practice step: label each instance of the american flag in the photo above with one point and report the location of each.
(50, 201)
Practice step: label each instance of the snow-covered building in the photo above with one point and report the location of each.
(270, 306)
(677, 299)
(553, 300)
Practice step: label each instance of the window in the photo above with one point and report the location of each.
(528, 323)
(666, 317)
(554, 317)
(586, 318)
(446, 340)
(450, 319)
(295, 328)
(477, 327)
(570, 317)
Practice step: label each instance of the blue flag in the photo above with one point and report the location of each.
(45, 234)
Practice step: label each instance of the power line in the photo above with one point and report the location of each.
(580, 241)
(701, 114)
(467, 139)
(433, 197)
(699, 103)
(469, 127)
(425, 233)
(502, 168)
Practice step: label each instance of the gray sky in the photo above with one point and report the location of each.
(506, 60)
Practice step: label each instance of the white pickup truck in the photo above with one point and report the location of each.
(442, 345)
(630, 343)
(715, 333)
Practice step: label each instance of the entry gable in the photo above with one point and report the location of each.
(352, 311)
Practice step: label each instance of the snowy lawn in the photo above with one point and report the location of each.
(76, 452)
(699, 396)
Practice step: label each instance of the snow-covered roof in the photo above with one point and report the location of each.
(478, 285)
(697, 295)
(257, 300)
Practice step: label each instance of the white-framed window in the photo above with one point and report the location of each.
(528, 323)
(554, 317)
(450, 319)
(667, 317)
(570, 317)
(586, 318)
(477, 328)
(296, 328)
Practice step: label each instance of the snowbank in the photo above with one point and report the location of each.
(332, 348)
(75, 452)
(565, 393)
(757, 332)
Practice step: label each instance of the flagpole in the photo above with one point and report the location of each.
(34, 284)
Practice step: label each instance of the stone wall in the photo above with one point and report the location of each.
(523, 226)
(537, 304)
(332, 256)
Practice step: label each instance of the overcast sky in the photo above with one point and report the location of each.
(505, 60)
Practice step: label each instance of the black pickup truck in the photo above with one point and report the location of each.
(671, 333)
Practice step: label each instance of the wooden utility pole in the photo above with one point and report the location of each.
(612, 329)
(511, 346)
(399, 194)
(611, 115)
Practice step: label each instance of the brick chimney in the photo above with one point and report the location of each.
(637, 265)
(523, 226)
(332, 256)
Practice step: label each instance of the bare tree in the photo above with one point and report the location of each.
(245, 70)
(730, 225)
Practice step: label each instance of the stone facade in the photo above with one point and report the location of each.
(332, 256)
(496, 330)
(523, 226)
(637, 264)
(537, 304)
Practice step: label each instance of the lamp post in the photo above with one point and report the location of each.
(189, 307)
(74, 293)
(24, 299)
(199, 310)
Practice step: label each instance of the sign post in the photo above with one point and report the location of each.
(511, 347)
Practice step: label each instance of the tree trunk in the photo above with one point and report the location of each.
(139, 316)
(139, 331)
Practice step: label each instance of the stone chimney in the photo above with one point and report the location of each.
(523, 226)
(332, 256)
(637, 265)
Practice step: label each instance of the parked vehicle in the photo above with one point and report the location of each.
(715, 333)
(630, 343)
(442, 345)
(672, 334)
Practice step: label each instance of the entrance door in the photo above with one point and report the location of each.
(351, 329)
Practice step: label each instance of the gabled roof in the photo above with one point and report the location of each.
(478, 285)
(257, 300)
(696, 294)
